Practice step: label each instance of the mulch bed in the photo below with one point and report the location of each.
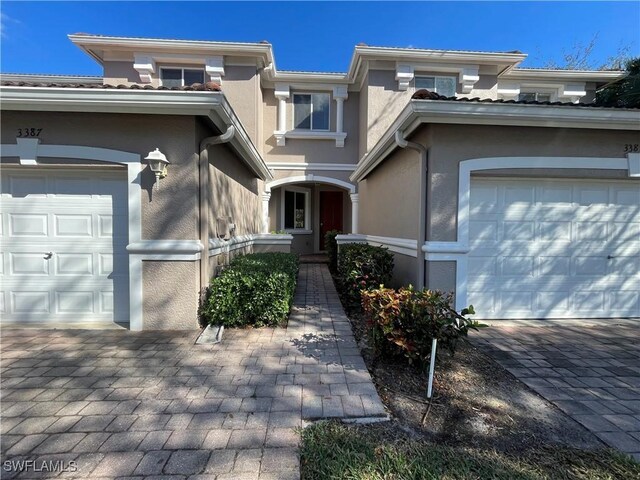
(476, 403)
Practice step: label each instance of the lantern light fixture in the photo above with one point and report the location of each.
(158, 164)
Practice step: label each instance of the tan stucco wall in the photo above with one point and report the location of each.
(241, 86)
(299, 150)
(388, 197)
(169, 212)
(120, 73)
(170, 295)
(272, 248)
(233, 192)
(404, 270)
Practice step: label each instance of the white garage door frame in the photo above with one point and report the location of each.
(457, 251)
(29, 150)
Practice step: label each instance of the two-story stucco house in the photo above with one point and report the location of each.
(502, 184)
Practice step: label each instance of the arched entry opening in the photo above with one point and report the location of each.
(307, 206)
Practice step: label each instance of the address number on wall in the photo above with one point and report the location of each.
(29, 132)
(631, 148)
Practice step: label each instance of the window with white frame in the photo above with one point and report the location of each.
(534, 97)
(180, 77)
(296, 209)
(311, 111)
(441, 85)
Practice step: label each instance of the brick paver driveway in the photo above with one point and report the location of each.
(590, 373)
(121, 404)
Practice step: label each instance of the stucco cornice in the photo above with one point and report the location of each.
(419, 112)
(563, 75)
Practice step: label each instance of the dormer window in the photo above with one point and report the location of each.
(180, 77)
(311, 111)
(441, 85)
(534, 97)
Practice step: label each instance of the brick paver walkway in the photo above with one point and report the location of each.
(590, 373)
(122, 404)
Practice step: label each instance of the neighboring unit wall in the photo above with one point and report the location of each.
(455, 143)
(389, 206)
(384, 101)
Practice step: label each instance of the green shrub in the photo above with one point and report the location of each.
(362, 267)
(405, 321)
(255, 289)
(331, 246)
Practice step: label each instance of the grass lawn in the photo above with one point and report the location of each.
(331, 450)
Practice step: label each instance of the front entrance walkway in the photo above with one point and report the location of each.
(590, 373)
(122, 404)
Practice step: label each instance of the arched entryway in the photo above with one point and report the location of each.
(307, 206)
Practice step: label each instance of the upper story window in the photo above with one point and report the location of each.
(441, 85)
(534, 97)
(311, 111)
(180, 77)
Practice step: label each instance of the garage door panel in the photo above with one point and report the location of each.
(80, 217)
(28, 264)
(76, 264)
(28, 225)
(559, 248)
(73, 225)
(30, 302)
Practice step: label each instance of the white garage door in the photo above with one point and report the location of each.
(63, 238)
(554, 248)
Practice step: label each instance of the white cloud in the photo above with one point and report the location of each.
(5, 21)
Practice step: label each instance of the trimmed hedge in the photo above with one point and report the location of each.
(331, 246)
(405, 322)
(255, 289)
(362, 267)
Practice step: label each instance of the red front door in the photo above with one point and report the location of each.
(330, 213)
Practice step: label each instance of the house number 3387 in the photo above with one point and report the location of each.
(29, 132)
(631, 148)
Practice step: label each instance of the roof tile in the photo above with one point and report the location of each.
(424, 94)
(196, 87)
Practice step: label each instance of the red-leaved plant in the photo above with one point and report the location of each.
(405, 321)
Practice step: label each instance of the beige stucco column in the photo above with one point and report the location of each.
(354, 212)
(340, 95)
(282, 94)
(266, 196)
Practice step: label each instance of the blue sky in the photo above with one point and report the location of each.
(317, 36)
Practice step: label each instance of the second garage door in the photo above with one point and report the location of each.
(554, 248)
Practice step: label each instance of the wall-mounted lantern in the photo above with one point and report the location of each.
(158, 164)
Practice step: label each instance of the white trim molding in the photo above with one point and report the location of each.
(403, 246)
(333, 167)
(634, 164)
(168, 250)
(339, 137)
(307, 209)
(309, 178)
(219, 247)
(457, 251)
